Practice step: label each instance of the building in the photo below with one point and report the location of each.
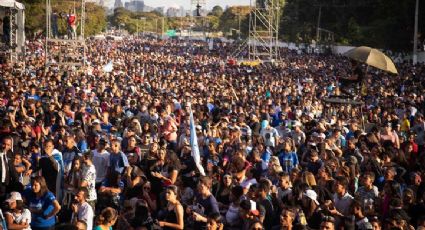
(118, 4)
(176, 12)
(173, 12)
(135, 5)
(159, 10)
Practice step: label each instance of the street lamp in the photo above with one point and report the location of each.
(119, 27)
(144, 23)
(415, 34)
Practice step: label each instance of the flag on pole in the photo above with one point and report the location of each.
(194, 144)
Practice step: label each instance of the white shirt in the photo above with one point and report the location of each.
(86, 214)
(21, 218)
(89, 175)
(101, 163)
(3, 160)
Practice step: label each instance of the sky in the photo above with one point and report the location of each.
(186, 3)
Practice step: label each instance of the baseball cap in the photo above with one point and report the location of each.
(14, 196)
(312, 195)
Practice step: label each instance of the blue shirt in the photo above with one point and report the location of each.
(44, 203)
(288, 161)
(118, 162)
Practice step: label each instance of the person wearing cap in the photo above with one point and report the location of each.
(311, 208)
(297, 134)
(17, 217)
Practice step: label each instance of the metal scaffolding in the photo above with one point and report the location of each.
(65, 52)
(264, 30)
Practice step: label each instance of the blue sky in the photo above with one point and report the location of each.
(186, 3)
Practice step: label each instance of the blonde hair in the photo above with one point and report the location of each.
(309, 178)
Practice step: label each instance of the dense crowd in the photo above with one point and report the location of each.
(87, 149)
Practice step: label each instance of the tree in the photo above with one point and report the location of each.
(231, 16)
(36, 16)
(216, 11)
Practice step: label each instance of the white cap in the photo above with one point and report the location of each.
(96, 121)
(14, 196)
(312, 195)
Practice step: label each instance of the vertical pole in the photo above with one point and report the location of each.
(415, 34)
(239, 24)
(156, 28)
(144, 26)
(47, 32)
(318, 24)
(162, 28)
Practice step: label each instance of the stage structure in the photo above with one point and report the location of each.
(264, 30)
(70, 50)
(12, 44)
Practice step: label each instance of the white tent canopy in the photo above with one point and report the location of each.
(12, 4)
(20, 20)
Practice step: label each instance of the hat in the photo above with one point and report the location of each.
(96, 121)
(321, 135)
(14, 196)
(312, 195)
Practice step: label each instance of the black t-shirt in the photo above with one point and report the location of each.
(269, 213)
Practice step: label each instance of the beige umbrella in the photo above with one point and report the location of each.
(372, 57)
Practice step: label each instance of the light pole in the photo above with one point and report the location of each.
(144, 24)
(162, 28)
(415, 35)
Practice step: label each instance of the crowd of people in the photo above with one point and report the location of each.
(84, 148)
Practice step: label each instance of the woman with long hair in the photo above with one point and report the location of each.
(173, 217)
(73, 179)
(223, 190)
(111, 189)
(132, 146)
(43, 205)
(106, 219)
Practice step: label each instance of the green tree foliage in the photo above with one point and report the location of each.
(230, 18)
(141, 21)
(216, 11)
(36, 16)
(385, 24)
